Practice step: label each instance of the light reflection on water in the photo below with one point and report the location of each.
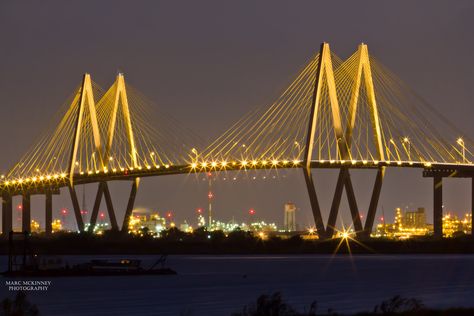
(219, 285)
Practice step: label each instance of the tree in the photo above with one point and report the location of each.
(19, 306)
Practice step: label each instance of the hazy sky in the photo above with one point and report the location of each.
(207, 63)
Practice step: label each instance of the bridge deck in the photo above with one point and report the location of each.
(39, 185)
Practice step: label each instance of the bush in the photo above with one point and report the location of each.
(18, 306)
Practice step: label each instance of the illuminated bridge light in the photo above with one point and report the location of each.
(7, 182)
(274, 162)
(194, 165)
(224, 163)
(243, 163)
(296, 161)
(13, 181)
(411, 163)
(167, 166)
(97, 171)
(88, 172)
(264, 162)
(114, 170)
(81, 173)
(332, 161)
(343, 162)
(33, 179)
(376, 162)
(364, 162)
(56, 176)
(139, 167)
(148, 167)
(399, 163)
(322, 161)
(285, 162)
(20, 180)
(213, 164)
(122, 169)
(354, 162)
(254, 162)
(204, 164)
(428, 164)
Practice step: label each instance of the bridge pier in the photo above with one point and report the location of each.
(438, 206)
(103, 190)
(48, 213)
(110, 207)
(26, 212)
(344, 181)
(76, 207)
(130, 204)
(313, 199)
(7, 214)
(374, 200)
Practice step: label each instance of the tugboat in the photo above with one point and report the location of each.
(27, 264)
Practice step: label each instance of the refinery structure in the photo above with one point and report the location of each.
(407, 223)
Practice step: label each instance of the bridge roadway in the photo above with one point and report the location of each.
(56, 181)
(50, 184)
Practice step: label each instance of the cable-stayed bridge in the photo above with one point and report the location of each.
(344, 114)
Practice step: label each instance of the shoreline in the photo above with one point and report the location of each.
(114, 243)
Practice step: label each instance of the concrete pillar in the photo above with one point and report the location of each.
(7, 214)
(472, 207)
(49, 213)
(26, 212)
(438, 206)
(131, 203)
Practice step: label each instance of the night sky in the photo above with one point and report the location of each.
(207, 63)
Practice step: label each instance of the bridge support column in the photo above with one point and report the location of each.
(49, 213)
(103, 190)
(438, 206)
(336, 202)
(26, 212)
(353, 206)
(131, 203)
(374, 200)
(77, 208)
(95, 209)
(110, 207)
(472, 207)
(7, 214)
(313, 199)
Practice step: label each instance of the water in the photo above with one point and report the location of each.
(220, 285)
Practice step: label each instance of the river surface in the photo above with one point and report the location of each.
(219, 285)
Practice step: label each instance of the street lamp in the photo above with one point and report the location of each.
(406, 140)
(460, 141)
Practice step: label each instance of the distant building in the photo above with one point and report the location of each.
(289, 223)
(415, 219)
(453, 225)
(142, 221)
(405, 225)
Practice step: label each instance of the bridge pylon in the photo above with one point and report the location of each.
(344, 140)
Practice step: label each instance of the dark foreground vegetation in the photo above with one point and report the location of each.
(275, 305)
(174, 241)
